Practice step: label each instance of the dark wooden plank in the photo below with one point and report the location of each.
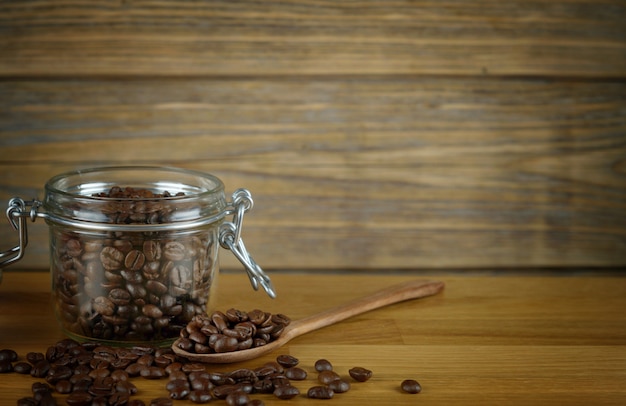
(375, 172)
(557, 38)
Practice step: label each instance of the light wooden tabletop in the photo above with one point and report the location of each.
(506, 339)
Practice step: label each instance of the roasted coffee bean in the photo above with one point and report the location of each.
(256, 402)
(287, 361)
(200, 396)
(111, 258)
(22, 368)
(134, 369)
(201, 384)
(40, 369)
(161, 402)
(34, 357)
(179, 393)
(323, 365)
(243, 375)
(295, 373)
(360, 374)
(237, 398)
(339, 385)
(119, 375)
(221, 391)
(136, 402)
(193, 367)
(126, 387)
(8, 355)
(27, 401)
(134, 260)
(79, 399)
(47, 400)
(410, 386)
(174, 251)
(118, 399)
(152, 373)
(176, 384)
(102, 387)
(63, 386)
(327, 377)
(286, 392)
(57, 373)
(320, 392)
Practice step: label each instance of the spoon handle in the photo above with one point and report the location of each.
(394, 294)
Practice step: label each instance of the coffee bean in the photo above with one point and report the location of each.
(287, 361)
(161, 402)
(295, 373)
(63, 386)
(79, 399)
(152, 373)
(286, 392)
(8, 355)
(327, 377)
(40, 369)
(152, 311)
(111, 258)
(323, 365)
(200, 396)
(339, 385)
(360, 374)
(410, 386)
(320, 392)
(34, 357)
(134, 260)
(104, 306)
(237, 399)
(174, 251)
(22, 368)
(118, 399)
(27, 401)
(256, 402)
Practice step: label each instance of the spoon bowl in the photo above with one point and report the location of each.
(398, 293)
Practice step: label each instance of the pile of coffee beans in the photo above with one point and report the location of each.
(132, 286)
(231, 331)
(95, 374)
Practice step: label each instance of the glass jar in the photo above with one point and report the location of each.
(134, 250)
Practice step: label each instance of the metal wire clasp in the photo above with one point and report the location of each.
(230, 238)
(17, 214)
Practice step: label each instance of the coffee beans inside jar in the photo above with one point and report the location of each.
(132, 286)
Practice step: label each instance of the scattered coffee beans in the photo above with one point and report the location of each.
(231, 331)
(410, 386)
(92, 374)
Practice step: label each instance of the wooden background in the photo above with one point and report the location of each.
(372, 134)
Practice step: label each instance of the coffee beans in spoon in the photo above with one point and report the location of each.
(232, 330)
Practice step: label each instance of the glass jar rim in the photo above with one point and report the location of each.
(53, 184)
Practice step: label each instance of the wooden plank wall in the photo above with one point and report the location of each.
(373, 134)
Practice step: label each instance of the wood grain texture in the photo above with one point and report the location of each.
(515, 339)
(375, 172)
(372, 134)
(556, 38)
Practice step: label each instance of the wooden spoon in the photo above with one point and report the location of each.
(394, 294)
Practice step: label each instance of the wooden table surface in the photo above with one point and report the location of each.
(488, 338)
